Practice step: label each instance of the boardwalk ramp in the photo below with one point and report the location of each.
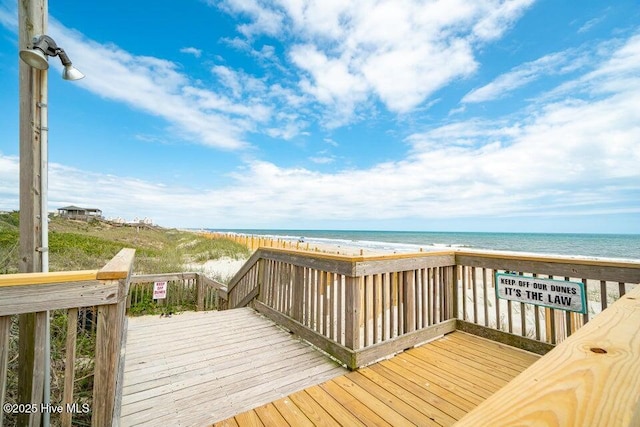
(199, 368)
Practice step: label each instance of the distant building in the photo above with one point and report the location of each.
(75, 212)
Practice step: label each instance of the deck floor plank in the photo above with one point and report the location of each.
(236, 368)
(353, 405)
(200, 368)
(494, 349)
(270, 416)
(427, 385)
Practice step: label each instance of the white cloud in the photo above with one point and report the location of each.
(399, 52)
(192, 51)
(569, 156)
(219, 117)
(153, 85)
(522, 75)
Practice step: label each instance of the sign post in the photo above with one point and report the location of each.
(556, 294)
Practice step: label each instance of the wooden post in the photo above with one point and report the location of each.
(32, 21)
(298, 293)
(200, 291)
(5, 327)
(261, 282)
(352, 312)
(454, 293)
(110, 341)
(69, 367)
(409, 298)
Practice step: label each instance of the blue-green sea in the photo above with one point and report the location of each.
(590, 245)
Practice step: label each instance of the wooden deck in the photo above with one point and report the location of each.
(198, 368)
(435, 384)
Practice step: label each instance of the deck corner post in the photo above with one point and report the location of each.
(110, 338)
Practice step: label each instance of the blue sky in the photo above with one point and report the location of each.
(409, 115)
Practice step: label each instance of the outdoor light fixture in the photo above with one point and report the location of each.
(44, 46)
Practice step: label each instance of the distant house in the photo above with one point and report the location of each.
(75, 212)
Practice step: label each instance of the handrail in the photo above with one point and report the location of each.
(363, 302)
(31, 295)
(589, 379)
(19, 279)
(358, 308)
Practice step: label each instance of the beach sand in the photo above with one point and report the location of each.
(221, 269)
(225, 268)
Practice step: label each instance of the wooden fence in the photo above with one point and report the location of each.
(360, 309)
(604, 282)
(185, 291)
(29, 296)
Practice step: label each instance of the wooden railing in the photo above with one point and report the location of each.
(359, 309)
(32, 295)
(605, 281)
(590, 379)
(185, 291)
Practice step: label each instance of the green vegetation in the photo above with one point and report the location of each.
(80, 245)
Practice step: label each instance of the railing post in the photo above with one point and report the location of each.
(31, 344)
(200, 291)
(261, 282)
(298, 292)
(5, 327)
(110, 337)
(353, 309)
(454, 293)
(409, 298)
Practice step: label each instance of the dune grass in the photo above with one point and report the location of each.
(80, 245)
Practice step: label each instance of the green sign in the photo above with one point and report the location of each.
(557, 294)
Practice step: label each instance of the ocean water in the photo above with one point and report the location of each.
(625, 246)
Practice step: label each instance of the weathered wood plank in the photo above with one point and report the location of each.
(619, 271)
(27, 299)
(210, 379)
(5, 327)
(107, 359)
(594, 374)
(403, 262)
(69, 364)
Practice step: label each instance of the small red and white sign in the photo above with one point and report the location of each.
(159, 290)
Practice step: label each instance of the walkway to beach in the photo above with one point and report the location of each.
(239, 367)
(196, 368)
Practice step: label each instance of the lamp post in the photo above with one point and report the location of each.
(34, 341)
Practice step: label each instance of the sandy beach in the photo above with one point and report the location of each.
(225, 268)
